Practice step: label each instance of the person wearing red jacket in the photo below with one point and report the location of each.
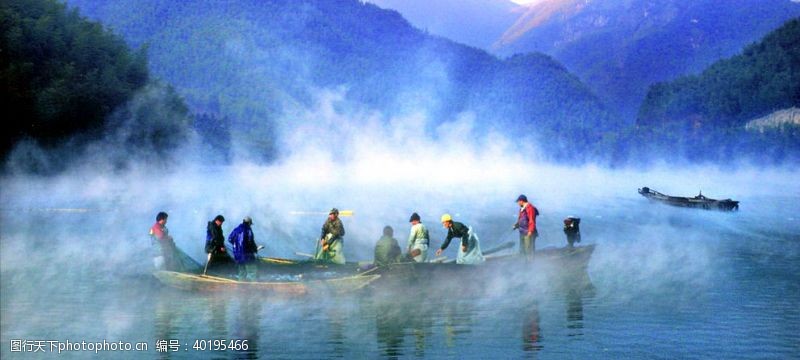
(160, 235)
(526, 223)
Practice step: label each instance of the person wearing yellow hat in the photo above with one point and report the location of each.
(470, 251)
(330, 247)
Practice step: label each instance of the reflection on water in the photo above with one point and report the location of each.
(686, 290)
(390, 325)
(247, 326)
(217, 321)
(531, 332)
(576, 287)
(402, 320)
(336, 338)
(574, 313)
(165, 314)
(398, 324)
(457, 321)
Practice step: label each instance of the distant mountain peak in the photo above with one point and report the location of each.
(538, 13)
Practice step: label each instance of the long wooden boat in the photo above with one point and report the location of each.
(566, 259)
(302, 265)
(498, 273)
(195, 282)
(572, 257)
(698, 202)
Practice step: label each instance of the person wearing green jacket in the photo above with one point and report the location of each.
(387, 250)
(330, 247)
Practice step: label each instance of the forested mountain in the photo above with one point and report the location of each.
(763, 79)
(247, 68)
(253, 61)
(710, 111)
(619, 48)
(66, 80)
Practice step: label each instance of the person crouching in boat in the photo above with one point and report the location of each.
(470, 251)
(244, 250)
(526, 223)
(418, 240)
(330, 247)
(572, 230)
(387, 249)
(160, 235)
(215, 244)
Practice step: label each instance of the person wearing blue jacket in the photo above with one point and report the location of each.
(244, 250)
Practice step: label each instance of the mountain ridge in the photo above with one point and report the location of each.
(267, 54)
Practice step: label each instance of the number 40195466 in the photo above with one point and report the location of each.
(220, 345)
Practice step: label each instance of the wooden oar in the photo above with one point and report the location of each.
(272, 260)
(499, 248)
(341, 213)
(493, 250)
(303, 254)
(369, 271)
(207, 261)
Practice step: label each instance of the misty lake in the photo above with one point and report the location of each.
(665, 283)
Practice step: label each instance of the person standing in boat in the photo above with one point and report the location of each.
(387, 250)
(526, 223)
(215, 243)
(470, 251)
(244, 250)
(418, 240)
(166, 244)
(330, 247)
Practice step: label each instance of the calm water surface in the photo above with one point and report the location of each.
(666, 283)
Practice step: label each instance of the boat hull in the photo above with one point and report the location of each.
(697, 202)
(195, 282)
(497, 275)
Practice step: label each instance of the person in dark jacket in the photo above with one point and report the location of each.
(215, 243)
(166, 244)
(526, 223)
(245, 249)
(331, 239)
(470, 250)
(387, 250)
(572, 230)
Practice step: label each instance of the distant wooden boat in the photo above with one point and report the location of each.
(699, 201)
(195, 282)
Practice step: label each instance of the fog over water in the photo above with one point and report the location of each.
(75, 256)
